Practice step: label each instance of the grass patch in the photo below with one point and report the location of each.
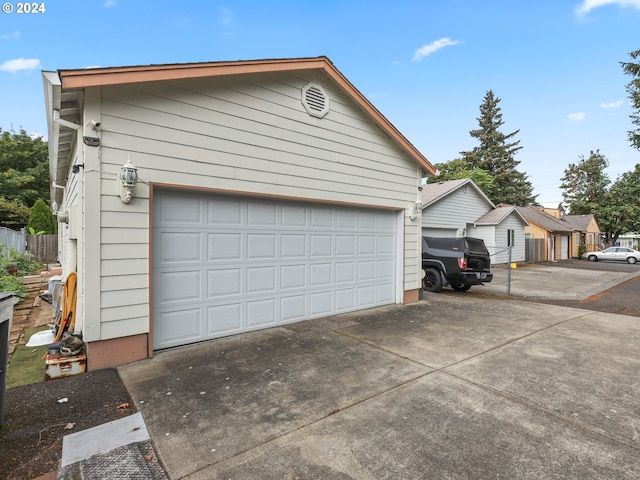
(27, 363)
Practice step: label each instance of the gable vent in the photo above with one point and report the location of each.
(315, 100)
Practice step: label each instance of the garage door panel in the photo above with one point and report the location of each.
(321, 217)
(178, 208)
(345, 300)
(345, 272)
(386, 223)
(255, 263)
(293, 246)
(178, 247)
(346, 218)
(261, 279)
(366, 271)
(224, 282)
(366, 296)
(386, 269)
(176, 287)
(345, 245)
(261, 313)
(293, 276)
(263, 214)
(320, 245)
(224, 246)
(293, 308)
(224, 319)
(385, 293)
(320, 274)
(178, 327)
(320, 304)
(386, 245)
(366, 245)
(294, 216)
(261, 246)
(224, 211)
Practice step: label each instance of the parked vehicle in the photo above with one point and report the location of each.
(460, 262)
(620, 254)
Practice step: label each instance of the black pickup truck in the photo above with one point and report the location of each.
(460, 262)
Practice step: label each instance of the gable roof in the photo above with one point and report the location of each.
(63, 96)
(434, 192)
(498, 214)
(544, 220)
(579, 222)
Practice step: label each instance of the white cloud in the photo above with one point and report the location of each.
(11, 36)
(577, 117)
(610, 105)
(587, 5)
(19, 64)
(110, 3)
(427, 50)
(226, 16)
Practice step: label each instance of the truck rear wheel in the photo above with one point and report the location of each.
(432, 281)
(460, 287)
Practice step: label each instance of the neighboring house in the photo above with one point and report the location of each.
(554, 233)
(459, 208)
(631, 240)
(208, 199)
(586, 234)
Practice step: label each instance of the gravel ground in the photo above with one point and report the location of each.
(37, 416)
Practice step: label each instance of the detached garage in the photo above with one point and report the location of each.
(203, 200)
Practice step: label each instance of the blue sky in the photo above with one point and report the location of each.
(426, 65)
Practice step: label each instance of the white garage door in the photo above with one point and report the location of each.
(224, 265)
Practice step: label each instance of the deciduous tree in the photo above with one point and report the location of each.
(585, 183)
(633, 89)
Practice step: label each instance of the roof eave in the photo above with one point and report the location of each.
(95, 77)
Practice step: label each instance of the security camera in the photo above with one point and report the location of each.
(95, 125)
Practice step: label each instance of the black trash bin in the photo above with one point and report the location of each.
(7, 301)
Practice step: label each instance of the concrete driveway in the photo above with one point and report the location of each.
(455, 386)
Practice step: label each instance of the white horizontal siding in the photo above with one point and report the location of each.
(248, 136)
(455, 210)
(124, 327)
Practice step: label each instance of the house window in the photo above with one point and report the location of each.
(511, 238)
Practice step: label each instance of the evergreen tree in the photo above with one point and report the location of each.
(495, 155)
(41, 219)
(633, 89)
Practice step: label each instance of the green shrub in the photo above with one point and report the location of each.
(26, 265)
(582, 249)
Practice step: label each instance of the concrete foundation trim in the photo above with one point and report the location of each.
(117, 351)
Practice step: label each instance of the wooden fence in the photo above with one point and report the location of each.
(534, 250)
(43, 247)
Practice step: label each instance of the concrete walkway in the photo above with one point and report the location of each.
(455, 386)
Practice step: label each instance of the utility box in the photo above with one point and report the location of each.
(7, 301)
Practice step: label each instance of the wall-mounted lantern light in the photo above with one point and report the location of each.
(417, 209)
(127, 179)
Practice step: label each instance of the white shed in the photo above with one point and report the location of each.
(208, 199)
(459, 208)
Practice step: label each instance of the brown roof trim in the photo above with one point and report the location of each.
(96, 77)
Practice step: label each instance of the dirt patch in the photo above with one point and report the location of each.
(37, 416)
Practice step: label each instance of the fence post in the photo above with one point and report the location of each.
(509, 270)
